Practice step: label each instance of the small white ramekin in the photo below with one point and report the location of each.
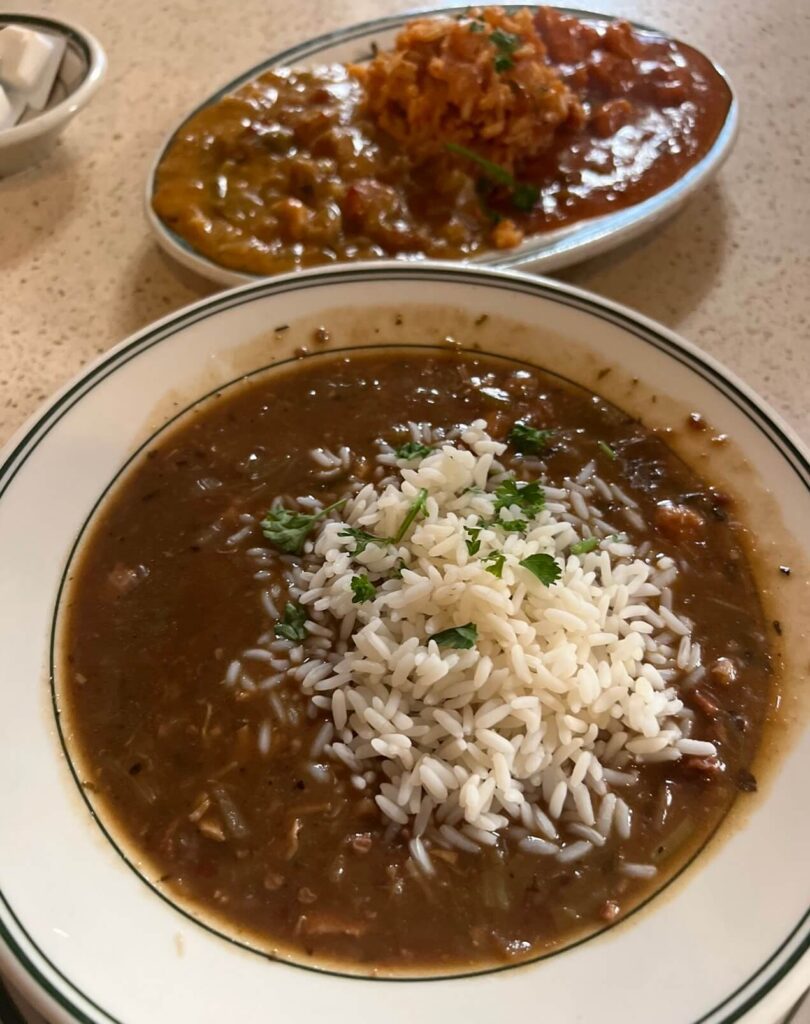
(29, 141)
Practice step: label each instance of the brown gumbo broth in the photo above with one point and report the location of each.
(297, 860)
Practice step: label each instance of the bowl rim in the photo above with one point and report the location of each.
(96, 70)
(545, 251)
(24, 972)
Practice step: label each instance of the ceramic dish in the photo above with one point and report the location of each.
(542, 253)
(80, 74)
(86, 937)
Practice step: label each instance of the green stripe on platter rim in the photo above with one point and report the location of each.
(796, 944)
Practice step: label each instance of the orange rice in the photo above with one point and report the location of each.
(481, 80)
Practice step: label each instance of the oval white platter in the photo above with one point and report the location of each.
(541, 253)
(86, 935)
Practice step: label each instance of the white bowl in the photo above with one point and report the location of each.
(86, 938)
(542, 253)
(80, 74)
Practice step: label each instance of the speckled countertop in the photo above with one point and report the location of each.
(79, 271)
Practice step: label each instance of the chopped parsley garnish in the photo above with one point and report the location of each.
(494, 563)
(416, 507)
(529, 498)
(513, 525)
(412, 450)
(528, 440)
(544, 567)
(288, 530)
(362, 589)
(582, 547)
(505, 40)
(473, 539)
(477, 26)
(291, 626)
(607, 449)
(363, 538)
(523, 196)
(462, 638)
(505, 43)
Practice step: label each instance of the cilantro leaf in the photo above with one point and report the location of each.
(607, 449)
(288, 529)
(291, 626)
(529, 498)
(506, 41)
(412, 450)
(544, 567)
(477, 26)
(363, 538)
(513, 525)
(362, 589)
(528, 440)
(582, 547)
(462, 638)
(473, 539)
(417, 506)
(494, 563)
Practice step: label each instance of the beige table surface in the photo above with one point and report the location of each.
(79, 271)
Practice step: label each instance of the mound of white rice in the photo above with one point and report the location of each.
(567, 688)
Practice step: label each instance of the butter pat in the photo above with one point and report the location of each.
(12, 105)
(24, 57)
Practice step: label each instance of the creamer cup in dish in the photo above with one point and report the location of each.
(81, 72)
